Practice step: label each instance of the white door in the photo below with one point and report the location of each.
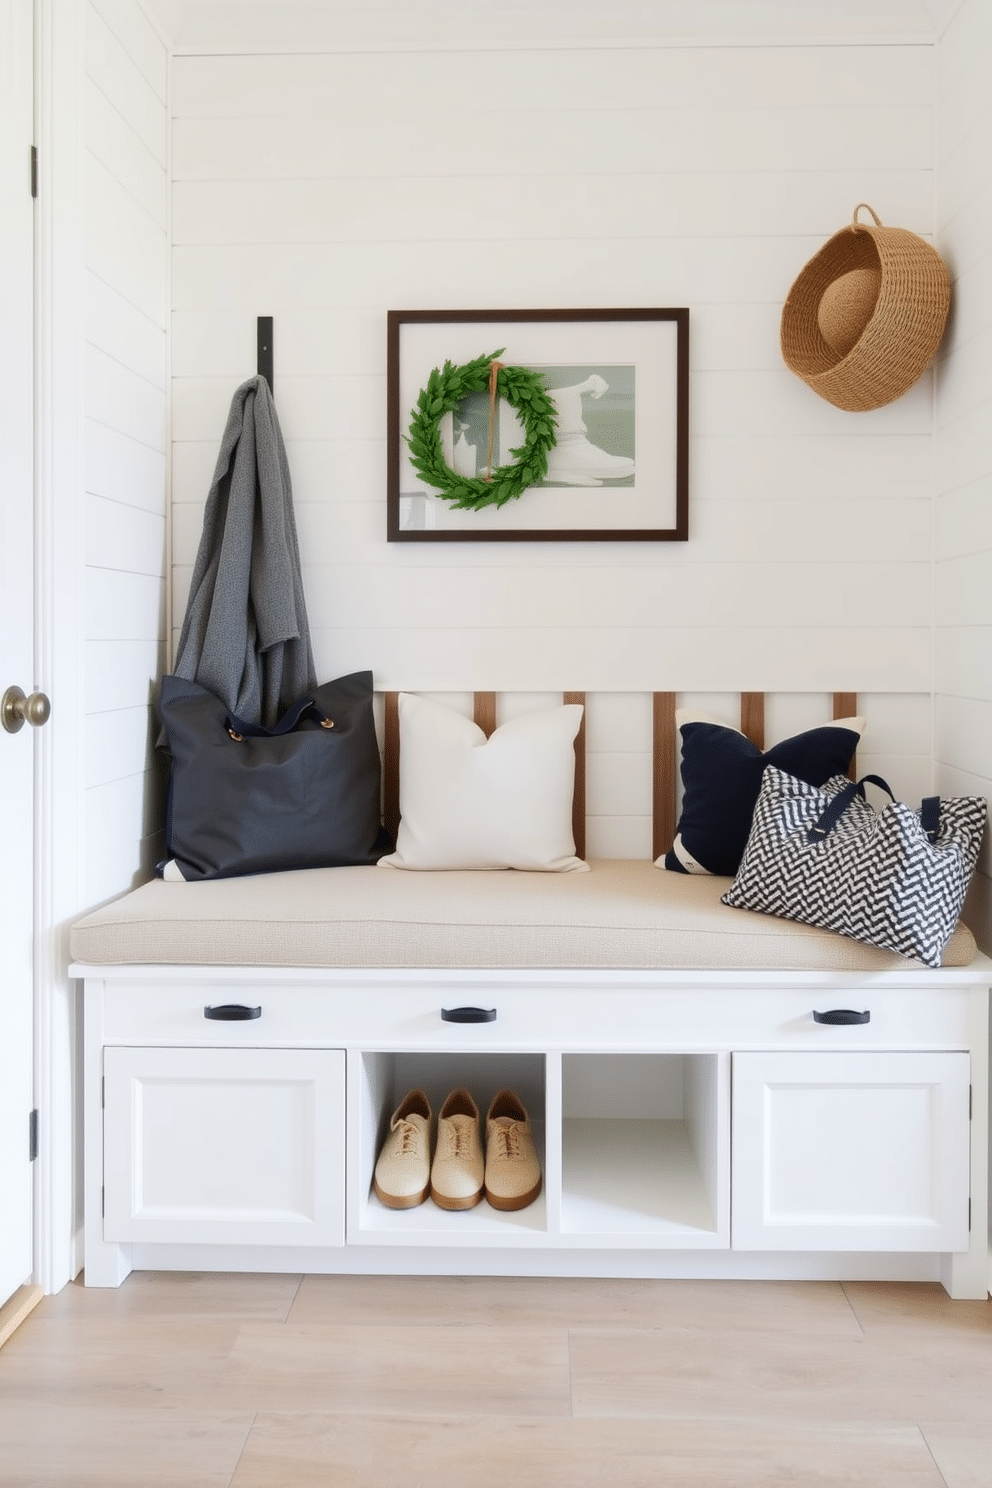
(16, 640)
(864, 1151)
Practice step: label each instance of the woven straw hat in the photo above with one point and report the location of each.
(865, 317)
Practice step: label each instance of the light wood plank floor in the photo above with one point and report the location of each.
(363, 1382)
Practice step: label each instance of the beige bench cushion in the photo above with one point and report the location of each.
(622, 914)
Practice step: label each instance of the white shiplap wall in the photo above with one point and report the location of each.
(126, 382)
(326, 189)
(963, 522)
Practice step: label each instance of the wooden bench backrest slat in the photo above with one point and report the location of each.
(664, 772)
(484, 711)
(846, 706)
(391, 764)
(579, 795)
(753, 717)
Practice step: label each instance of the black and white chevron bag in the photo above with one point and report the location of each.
(895, 878)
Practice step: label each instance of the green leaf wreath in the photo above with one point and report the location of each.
(445, 389)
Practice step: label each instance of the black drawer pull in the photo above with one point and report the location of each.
(842, 1015)
(468, 1015)
(232, 1012)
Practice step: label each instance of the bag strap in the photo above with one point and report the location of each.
(828, 819)
(930, 817)
(303, 708)
(833, 812)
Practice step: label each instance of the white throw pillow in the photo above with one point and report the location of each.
(471, 802)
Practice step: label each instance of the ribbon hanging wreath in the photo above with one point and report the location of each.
(445, 389)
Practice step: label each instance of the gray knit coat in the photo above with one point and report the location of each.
(246, 636)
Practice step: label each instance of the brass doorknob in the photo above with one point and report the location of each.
(16, 710)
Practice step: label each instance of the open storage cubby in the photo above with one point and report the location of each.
(377, 1082)
(646, 1149)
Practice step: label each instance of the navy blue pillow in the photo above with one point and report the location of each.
(721, 780)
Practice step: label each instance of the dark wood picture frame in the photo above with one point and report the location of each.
(652, 347)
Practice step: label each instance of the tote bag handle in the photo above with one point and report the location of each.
(828, 819)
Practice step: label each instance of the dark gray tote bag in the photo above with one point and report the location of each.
(248, 799)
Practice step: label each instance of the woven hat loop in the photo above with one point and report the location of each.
(866, 315)
(857, 226)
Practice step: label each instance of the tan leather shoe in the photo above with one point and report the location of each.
(402, 1170)
(458, 1166)
(513, 1173)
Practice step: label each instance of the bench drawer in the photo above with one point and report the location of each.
(532, 1013)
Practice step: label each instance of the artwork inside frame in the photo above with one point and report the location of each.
(617, 468)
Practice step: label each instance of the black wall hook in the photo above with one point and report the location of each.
(265, 350)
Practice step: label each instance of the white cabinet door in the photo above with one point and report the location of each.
(864, 1151)
(224, 1146)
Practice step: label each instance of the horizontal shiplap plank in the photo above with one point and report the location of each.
(118, 864)
(625, 141)
(618, 784)
(263, 278)
(127, 335)
(963, 521)
(963, 734)
(962, 592)
(716, 596)
(120, 398)
(729, 530)
(739, 528)
(647, 77)
(658, 657)
(964, 379)
(965, 448)
(457, 207)
(124, 470)
(619, 836)
(840, 466)
(132, 602)
(963, 659)
(720, 594)
(971, 291)
(126, 810)
(122, 673)
(119, 744)
(125, 538)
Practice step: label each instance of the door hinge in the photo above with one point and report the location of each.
(32, 1135)
(34, 170)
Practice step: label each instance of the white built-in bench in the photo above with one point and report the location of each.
(703, 1106)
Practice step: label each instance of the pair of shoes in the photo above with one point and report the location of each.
(509, 1175)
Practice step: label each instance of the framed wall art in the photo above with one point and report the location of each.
(538, 425)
